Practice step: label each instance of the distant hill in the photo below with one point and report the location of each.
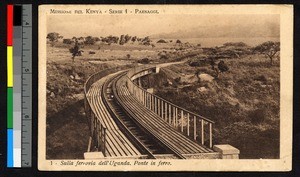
(240, 31)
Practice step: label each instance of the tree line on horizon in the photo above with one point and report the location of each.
(90, 40)
(270, 49)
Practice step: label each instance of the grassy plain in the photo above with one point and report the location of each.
(244, 102)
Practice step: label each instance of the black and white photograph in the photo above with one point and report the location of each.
(165, 87)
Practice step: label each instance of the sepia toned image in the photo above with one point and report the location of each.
(165, 87)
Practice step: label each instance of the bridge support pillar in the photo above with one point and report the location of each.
(227, 151)
(157, 69)
(93, 155)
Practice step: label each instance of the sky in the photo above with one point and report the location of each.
(147, 25)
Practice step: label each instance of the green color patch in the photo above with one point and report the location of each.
(10, 107)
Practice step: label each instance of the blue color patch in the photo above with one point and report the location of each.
(10, 148)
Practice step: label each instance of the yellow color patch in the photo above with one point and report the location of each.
(10, 74)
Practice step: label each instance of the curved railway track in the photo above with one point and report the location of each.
(116, 143)
(147, 143)
(133, 130)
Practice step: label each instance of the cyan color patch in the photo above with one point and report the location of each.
(10, 148)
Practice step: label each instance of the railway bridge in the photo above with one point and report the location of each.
(128, 121)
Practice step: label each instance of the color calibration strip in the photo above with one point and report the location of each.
(10, 132)
(19, 81)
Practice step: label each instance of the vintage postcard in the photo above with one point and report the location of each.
(165, 87)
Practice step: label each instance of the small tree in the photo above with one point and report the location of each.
(133, 39)
(89, 40)
(75, 50)
(127, 38)
(122, 39)
(53, 37)
(269, 49)
(146, 40)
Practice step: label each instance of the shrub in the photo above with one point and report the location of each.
(177, 79)
(257, 116)
(144, 61)
(194, 63)
(161, 41)
(178, 41)
(146, 41)
(163, 57)
(198, 62)
(235, 44)
(89, 40)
